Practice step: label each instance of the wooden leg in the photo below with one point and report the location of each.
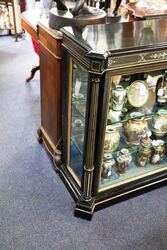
(14, 21)
(33, 71)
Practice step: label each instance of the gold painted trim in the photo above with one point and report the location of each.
(69, 110)
(84, 211)
(131, 69)
(117, 196)
(137, 58)
(74, 175)
(131, 191)
(77, 194)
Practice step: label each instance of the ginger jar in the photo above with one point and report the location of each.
(135, 128)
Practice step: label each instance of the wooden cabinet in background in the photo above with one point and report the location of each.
(50, 57)
(50, 79)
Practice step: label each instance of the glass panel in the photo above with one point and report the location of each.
(136, 130)
(78, 106)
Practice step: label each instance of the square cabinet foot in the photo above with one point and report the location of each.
(85, 209)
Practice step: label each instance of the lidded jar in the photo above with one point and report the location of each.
(158, 151)
(144, 153)
(112, 139)
(135, 128)
(159, 123)
(107, 167)
(123, 160)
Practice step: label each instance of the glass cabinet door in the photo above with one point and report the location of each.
(79, 77)
(136, 128)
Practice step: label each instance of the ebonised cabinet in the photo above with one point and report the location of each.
(114, 130)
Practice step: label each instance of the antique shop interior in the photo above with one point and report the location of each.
(83, 90)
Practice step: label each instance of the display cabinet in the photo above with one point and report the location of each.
(5, 18)
(114, 122)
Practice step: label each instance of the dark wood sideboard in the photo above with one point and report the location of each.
(49, 40)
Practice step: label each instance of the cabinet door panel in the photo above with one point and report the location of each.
(135, 137)
(79, 79)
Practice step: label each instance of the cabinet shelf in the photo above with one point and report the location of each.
(146, 116)
(133, 173)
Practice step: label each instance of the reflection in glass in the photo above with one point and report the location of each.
(78, 109)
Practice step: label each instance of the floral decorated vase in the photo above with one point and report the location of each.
(135, 128)
(112, 139)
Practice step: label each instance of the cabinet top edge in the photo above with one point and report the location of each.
(125, 37)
